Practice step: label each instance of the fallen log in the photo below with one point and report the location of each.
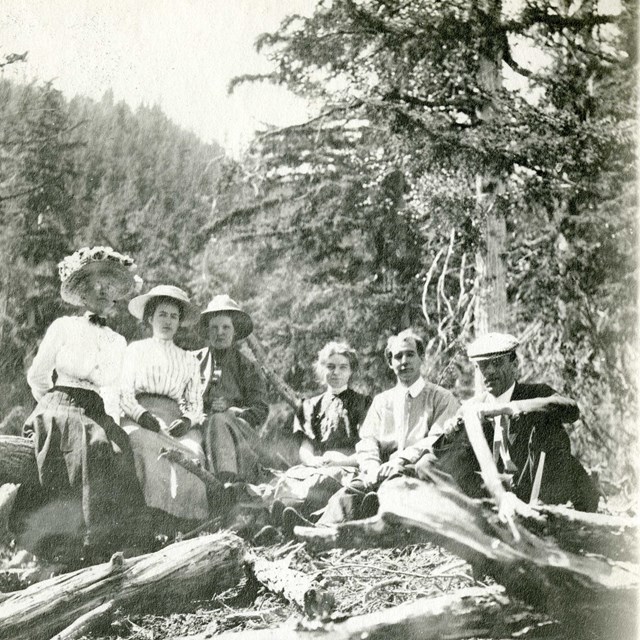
(8, 493)
(469, 613)
(591, 593)
(17, 461)
(294, 586)
(165, 581)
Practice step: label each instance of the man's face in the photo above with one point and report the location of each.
(497, 374)
(405, 362)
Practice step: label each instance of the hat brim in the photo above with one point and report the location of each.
(490, 356)
(242, 322)
(189, 311)
(119, 277)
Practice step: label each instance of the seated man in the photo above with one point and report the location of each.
(520, 422)
(395, 432)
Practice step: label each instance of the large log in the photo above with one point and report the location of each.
(591, 592)
(17, 461)
(165, 581)
(294, 586)
(469, 613)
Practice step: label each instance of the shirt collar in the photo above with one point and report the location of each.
(506, 396)
(414, 390)
(336, 392)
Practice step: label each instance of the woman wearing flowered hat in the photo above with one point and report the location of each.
(162, 405)
(81, 451)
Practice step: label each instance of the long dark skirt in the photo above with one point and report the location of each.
(85, 462)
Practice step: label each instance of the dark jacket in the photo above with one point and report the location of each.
(538, 426)
(241, 383)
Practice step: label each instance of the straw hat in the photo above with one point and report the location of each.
(189, 312)
(90, 263)
(242, 323)
(492, 345)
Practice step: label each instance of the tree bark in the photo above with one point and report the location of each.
(469, 613)
(167, 580)
(294, 586)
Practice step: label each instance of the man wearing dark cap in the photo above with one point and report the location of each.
(523, 426)
(395, 432)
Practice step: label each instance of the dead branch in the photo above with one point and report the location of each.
(17, 460)
(469, 613)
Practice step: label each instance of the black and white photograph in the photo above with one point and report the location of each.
(319, 319)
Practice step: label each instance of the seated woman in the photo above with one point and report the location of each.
(161, 403)
(327, 428)
(234, 394)
(84, 460)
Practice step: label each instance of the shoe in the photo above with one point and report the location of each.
(266, 537)
(275, 513)
(292, 518)
(369, 506)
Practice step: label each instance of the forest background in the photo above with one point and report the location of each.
(373, 216)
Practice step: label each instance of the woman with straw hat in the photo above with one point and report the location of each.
(161, 401)
(81, 452)
(234, 393)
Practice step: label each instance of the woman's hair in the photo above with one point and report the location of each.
(331, 349)
(155, 302)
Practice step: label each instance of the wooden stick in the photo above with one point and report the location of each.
(294, 586)
(287, 393)
(211, 482)
(84, 623)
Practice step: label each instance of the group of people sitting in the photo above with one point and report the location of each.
(106, 411)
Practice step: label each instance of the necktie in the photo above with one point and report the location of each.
(500, 450)
(94, 318)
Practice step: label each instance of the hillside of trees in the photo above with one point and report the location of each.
(373, 216)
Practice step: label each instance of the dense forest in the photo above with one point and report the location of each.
(373, 216)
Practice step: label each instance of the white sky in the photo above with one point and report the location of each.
(179, 54)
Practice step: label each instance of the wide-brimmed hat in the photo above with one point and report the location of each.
(90, 263)
(242, 322)
(189, 311)
(492, 345)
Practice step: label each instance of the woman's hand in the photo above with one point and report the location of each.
(148, 421)
(179, 427)
(219, 405)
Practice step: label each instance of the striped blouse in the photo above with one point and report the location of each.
(160, 367)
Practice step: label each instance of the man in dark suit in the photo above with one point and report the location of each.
(521, 422)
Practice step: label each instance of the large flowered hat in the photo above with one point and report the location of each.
(189, 311)
(242, 322)
(90, 263)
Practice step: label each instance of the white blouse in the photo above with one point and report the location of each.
(83, 355)
(162, 368)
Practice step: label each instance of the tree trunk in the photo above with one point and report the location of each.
(469, 613)
(165, 581)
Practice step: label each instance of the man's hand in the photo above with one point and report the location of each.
(487, 410)
(389, 469)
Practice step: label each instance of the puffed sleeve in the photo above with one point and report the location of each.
(111, 392)
(191, 400)
(40, 374)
